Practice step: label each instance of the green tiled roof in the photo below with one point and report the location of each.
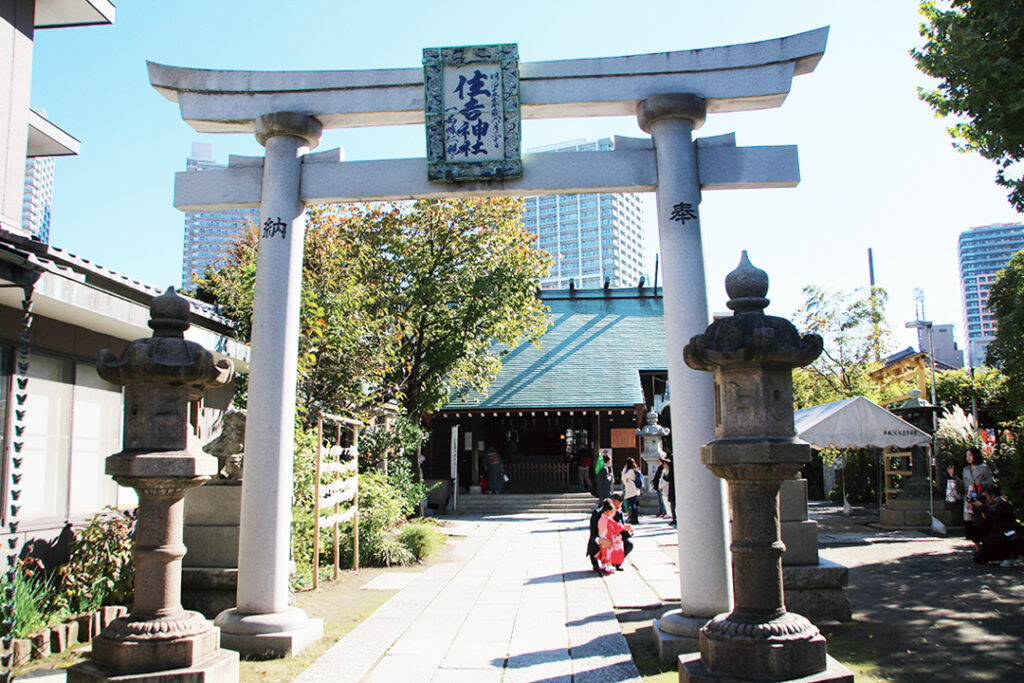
(591, 355)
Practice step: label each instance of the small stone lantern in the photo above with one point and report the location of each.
(755, 449)
(651, 435)
(158, 640)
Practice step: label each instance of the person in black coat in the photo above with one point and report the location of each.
(605, 479)
(595, 516)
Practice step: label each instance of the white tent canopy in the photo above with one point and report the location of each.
(855, 423)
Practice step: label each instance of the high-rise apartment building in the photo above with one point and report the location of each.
(592, 238)
(37, 201)
(983, 252)
(209, 234)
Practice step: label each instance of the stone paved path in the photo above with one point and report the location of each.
(517, 603)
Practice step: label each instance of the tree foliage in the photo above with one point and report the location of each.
(345, 345)
(976, 50)
(1006, 301)
(856, 335)
(400, 301)
(456, 276)
(962, 387)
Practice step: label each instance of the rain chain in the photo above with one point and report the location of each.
(20, 399)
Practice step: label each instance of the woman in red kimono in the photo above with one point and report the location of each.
(609, 533)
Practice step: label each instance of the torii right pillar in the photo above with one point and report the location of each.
(704, 570)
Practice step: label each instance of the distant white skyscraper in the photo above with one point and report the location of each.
(209, 234)
(37, 201)
(592, 238)
(983, 252)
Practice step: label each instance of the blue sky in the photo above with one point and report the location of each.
(878, 169)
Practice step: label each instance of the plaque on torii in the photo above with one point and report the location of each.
(670, 93)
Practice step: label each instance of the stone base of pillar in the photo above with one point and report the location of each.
(692, 670)
(268, 636)
(676, 634)
(220, 667)
(179, 641)
(781, 649)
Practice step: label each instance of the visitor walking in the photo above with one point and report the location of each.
(631, 483)
(976, 475)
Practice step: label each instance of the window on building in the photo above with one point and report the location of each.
(72, 423)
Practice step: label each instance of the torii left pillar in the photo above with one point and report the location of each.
(262, 624)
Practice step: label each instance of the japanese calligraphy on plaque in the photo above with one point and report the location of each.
(471, 97)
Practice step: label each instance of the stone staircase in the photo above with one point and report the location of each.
(545, 503)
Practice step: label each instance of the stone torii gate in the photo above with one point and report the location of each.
(670, 94)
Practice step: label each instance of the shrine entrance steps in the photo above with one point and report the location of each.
(547, 503)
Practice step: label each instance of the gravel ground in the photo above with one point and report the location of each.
(922, 610)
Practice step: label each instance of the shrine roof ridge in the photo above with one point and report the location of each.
(731, 78)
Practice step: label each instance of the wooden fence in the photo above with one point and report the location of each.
(538, 476)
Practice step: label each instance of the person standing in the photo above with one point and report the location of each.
(605, 478)
(631, 491)
(671, 487)
(656, 482)
(954, 494)
(665, 486)
(493, 458)
(583, 464)
(976, 475)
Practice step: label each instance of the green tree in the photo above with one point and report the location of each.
(401, 301)
(1006, 301)
(856, 334)
(457, 277)
(975, 48)
(984, 386)
(345, 347)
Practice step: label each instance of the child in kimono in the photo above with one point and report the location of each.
(609, 533)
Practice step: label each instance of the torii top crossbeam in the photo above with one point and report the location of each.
(729, 78)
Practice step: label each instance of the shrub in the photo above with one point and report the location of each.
(422, 538)
(100, 569)
(391, 552)
(28, 588)
(411, 492)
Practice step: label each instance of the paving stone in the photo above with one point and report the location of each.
(488, 675)
(506, 611)
(405, 668)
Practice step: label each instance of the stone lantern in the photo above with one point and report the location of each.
(651, 435)
(158, 640)
(755, 449)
